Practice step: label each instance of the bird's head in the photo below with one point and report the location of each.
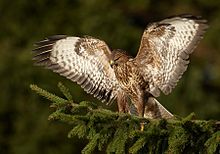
(118, 57)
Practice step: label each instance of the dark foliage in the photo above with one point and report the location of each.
(120, 133)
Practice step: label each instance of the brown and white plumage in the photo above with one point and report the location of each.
(164, 51)
(82, 60)
(162, 58)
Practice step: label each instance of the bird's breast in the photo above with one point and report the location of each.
(128, 75)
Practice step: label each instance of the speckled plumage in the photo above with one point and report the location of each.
(82, 60)
(162, 58)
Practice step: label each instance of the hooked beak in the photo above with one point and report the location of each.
(112, 63)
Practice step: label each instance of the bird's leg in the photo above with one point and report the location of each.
(139, 103)
(122, 102)
(140, 108)
(144, 99)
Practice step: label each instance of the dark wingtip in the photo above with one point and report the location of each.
(50, 40)
(189, 16)
(43, 49)
(56, 37)
(199, 19)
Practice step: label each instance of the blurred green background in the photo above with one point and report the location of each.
(24, 128)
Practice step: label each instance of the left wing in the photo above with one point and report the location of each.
(164, 50)
(83, 60)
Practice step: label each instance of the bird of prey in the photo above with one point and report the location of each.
(134, 82)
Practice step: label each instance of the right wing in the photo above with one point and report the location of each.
(164, 52)
(82, 60)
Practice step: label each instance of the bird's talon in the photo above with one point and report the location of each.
(142, 126)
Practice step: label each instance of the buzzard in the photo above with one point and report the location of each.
(134, 82)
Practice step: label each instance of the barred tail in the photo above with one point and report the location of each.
(154, 110)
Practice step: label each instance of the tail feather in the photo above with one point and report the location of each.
(153, 110)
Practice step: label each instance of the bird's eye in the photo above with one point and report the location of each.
(117, 59)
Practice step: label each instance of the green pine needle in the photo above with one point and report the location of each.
(79, 130)
(91, 145)
(65, 91)
(47, 95)
(137, 145)
(213, 143)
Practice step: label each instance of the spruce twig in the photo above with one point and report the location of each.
(47, 95)
(65, 91)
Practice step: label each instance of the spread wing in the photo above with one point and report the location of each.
(82, 60)
(164, 51)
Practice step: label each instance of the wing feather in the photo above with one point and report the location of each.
(82, 60)
(164, 52)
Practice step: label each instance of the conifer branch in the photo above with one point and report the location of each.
(120, 133)
(47, 95)
(65, 91)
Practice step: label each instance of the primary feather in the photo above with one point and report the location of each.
(82, 60)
